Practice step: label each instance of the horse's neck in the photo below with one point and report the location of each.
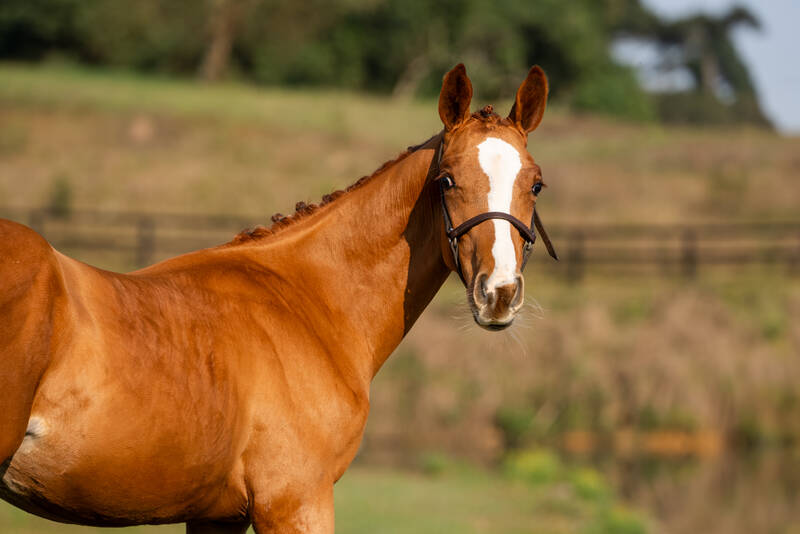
(373, 259)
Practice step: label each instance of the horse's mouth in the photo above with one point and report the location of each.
(493, 325)
(486, 317)
(496, 327)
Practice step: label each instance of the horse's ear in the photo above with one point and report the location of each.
(455, 97)
(528, 108)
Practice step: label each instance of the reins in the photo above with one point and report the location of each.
(528, 232)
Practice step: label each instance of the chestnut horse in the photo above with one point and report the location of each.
(230, 386)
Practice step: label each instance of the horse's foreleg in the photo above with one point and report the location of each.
(29, 288)
(307, 513)
(22, 363)
(210, 527)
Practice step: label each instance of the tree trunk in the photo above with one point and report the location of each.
(408, 83)
(223, 18)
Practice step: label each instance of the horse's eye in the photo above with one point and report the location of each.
(537, 188)
(447, 181)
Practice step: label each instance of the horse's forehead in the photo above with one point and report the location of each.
(488, 153)
(499, 161)
(496, 155)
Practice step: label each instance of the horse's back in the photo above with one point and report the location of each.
(29, 286)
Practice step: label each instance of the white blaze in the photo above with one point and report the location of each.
(501, 163)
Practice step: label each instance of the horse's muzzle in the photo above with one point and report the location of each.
(495, 307)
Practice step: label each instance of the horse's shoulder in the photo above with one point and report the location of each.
(18, 237)
(24, 254)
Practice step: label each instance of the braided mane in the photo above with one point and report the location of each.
(302, 209)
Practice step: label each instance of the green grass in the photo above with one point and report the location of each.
(240, 148)
(717, 353)
(329, 111)
(459, 500)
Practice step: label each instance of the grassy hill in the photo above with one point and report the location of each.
(127, 142)
(621, 365)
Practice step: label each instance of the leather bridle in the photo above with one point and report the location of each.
(454, 233)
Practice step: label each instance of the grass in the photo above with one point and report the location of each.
(463, 500)
(119, 141)
(329, 111)
(716, 354)
(128, 142)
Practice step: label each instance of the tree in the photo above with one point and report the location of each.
(224, 21)
(702, 44)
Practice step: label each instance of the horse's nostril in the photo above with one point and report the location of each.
(481, 294)
(491, 298)
(482, 285)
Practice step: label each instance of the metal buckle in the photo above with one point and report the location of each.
(527, 248)
(454, 250)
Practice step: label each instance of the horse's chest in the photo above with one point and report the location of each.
(318, 437)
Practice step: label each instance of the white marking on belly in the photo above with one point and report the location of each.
(36, 428)
(501, 163)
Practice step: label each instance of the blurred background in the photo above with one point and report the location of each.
(652, 385)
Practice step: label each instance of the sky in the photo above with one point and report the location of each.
(772, 54)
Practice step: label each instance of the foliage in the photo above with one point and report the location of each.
(534, 466)
(615, 91)
(393, 46)
(541, 470)
(402, 47)
(589, 484)
(31, 28)
(699, 108)
(702, 45)
(617, 520)
(514, 423)
(617, 350)
(610, 353)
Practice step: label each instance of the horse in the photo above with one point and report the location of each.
(229, 386)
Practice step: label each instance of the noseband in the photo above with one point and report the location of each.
(527, 232)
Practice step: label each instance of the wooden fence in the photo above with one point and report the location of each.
(138, 239)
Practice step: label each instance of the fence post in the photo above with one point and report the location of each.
(575, 257)
(36, 219)
(145, 241)
(689, 253)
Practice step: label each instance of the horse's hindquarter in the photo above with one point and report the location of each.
(170, 391)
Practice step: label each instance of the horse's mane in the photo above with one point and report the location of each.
(303, 210)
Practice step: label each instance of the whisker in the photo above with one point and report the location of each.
(516, 337)
(535, 308)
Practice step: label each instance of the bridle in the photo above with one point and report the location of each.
(453, 234)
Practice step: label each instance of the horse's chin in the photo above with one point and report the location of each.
(492, 325)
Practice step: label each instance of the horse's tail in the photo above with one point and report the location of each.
(30, 284)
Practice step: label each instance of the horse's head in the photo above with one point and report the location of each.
(488, 185)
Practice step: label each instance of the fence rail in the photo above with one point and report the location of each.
(139, 239)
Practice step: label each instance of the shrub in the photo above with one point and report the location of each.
(534, 466)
